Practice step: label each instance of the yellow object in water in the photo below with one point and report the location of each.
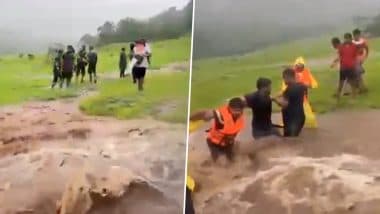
(310, 118)
(194, 125)
(190, 183)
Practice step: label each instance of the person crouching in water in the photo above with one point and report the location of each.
(92, 58)
(291, 102)
(57, 68)
(227, 123)
(68, 66)
(261, 104)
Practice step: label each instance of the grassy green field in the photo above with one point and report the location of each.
(24, 80)
(215, 80)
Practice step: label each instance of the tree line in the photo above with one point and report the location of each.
(169, 24)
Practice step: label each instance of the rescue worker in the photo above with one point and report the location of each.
(228, 121)
(92, 58)
(57, 68)
(305, 77)
(81, 64)
(68, 66)
(122, 62)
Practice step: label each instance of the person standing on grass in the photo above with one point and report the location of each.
(122, 62)
(141, 65)
(57, 68)
(228, 122)
(362, 45)
(68, 66)
(348, 55)
(261, 105)
(92, 62)
(81, 64)
(130, 56)
(291, 102)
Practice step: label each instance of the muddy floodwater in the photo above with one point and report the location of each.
(332, 170)
(54, 159)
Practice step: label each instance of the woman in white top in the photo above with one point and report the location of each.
(141, 54)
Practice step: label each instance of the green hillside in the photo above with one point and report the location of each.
(215, 80)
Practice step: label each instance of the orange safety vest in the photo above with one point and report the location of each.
(304, 77)
(230, 128)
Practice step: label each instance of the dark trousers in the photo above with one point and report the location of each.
(217, 150)
(80, 70)
(66, 77)
(56, 77)
(189, 207)
(293, 127)
(92, 72)
(122, 70)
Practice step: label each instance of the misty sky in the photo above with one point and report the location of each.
(70, 19)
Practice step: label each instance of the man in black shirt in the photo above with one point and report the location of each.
(261, 104)
(291, 101)
(122, 63)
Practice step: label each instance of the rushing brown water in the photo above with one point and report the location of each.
(334, 169)
(54, 159)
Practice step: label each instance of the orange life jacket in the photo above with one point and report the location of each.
(304, 77)
(230, 129)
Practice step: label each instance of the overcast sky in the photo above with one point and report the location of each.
(70, 19)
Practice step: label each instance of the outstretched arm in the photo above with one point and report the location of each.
(281, 101)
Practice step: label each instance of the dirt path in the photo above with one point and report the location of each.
(335, 169)
(53, 156)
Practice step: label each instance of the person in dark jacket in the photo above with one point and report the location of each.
(57, 68)
(81, 64)
(68, 66)
(92, 58)
(122, 63)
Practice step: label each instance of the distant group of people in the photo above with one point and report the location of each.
(352, 54)
(66, 63)
(139, 56)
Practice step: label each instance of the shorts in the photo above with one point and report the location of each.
(348, 74)
(138, 72)
(260, 133)
(217, 150)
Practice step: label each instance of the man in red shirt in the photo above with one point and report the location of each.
(363, 52)
(348, 57)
